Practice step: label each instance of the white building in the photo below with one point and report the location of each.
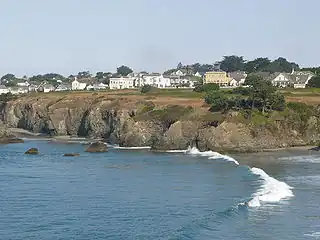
(155, 80)
(78, 85)
(97, 86)
(19, 90)
(3, 89)
(121, 83)
(63, 87)
(46, 88)
(23, 84)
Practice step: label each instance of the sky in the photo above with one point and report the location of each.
(68, 36)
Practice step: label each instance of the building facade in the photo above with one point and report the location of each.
(121, 83)
(220, 78)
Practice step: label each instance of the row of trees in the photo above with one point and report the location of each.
(11, 80)
(261, 95)
(238, 63)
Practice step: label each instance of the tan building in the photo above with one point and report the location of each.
(220, 78)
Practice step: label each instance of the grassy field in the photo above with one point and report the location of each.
(177, 96)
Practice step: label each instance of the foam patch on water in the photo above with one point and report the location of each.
(211, 155)
(271, 190)
(315, 235)
(131, 148)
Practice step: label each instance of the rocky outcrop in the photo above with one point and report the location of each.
(97, 147)
(32, 151)
(141, 123)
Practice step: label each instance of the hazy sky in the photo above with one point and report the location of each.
(68, 36)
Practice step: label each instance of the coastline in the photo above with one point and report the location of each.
(22, 133)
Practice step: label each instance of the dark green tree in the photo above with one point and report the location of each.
(179, 65)
(262, 91)
(8, 77)
(99, 75)
(257, 65)
(314, 82)
(84, 74)
(232, 63)
(282, 65)
(124, 70)
(252, 79)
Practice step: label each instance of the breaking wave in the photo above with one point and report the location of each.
(211, 155)
(271, 191)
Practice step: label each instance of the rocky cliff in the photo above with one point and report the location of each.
(140, 122)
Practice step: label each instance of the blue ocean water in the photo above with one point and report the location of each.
(137, 194)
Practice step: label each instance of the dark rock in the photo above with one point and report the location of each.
(71, 155)
(97, 147)
(315, 149)
(10, 140)
(32, 151)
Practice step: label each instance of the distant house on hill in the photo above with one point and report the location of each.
(237, 78)
(18, 90)
(121, 83)
(46, 88)
(63, 87)
(3, 89)
(79, 84)
(23, 84)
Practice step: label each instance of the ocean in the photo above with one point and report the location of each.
(138, 194)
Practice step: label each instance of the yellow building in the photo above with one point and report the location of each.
(220, 78)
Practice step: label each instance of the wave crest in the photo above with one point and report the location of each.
(272, 190)
(211, 155)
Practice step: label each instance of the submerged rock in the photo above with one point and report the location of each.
(32, 151)
(11, 140)
(71, 155)
(315, 149)
(97, 147)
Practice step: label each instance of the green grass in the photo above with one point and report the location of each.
(301, 91)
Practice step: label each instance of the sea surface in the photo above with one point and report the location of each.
(137, 194)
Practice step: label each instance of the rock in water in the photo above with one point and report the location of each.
(71, 155)
(97, 147)
(32, 151)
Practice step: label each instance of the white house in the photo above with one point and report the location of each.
(197, 74)
(121, 83)
(3, 89)
(155, 80)
(237, 78)
(46, 88)
(78, 84)
(23, 84)
(179, 73)
(18, 90)
(97, 86)
(288, 80)
(63, 87)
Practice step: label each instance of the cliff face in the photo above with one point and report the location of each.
(137, 123)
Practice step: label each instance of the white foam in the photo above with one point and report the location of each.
(211, 155)
(271, 190)
(176, 151)
(131, 148)
(315, 235)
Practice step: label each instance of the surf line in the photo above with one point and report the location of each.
(271, 190)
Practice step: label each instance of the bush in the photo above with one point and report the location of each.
(147, 88)
(7, 97)
(241, 90)
(207, 87)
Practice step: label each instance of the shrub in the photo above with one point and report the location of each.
(207, 87)
(147, 88)
(7, 97)
(241, 90)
